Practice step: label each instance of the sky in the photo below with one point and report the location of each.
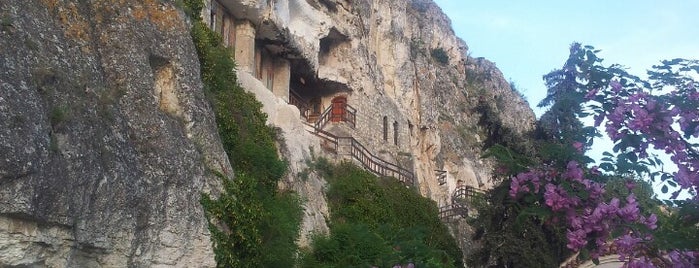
(527, 39)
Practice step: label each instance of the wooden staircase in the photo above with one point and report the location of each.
(462, 199)
(351, 147)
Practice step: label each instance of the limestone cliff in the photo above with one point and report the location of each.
(416, 92)
(106, 138)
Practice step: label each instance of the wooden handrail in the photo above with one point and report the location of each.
(465, 194)
(462, 197)
(296, 100)
(369, 161)
(323, 119)
(377, 165)
(448, 212)
(350, 116)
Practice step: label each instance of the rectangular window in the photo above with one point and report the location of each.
(270, 76)
(223, 23)
(258, 63)
(395, 132)
(218, 17)
(385, 128)
(231, 31)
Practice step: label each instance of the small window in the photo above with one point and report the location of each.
(258, 62)
(315, 106)
(217, 18)
(385, 128)
(395, 132)
(270, 76)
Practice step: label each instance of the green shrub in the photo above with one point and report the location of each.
(380, 222)
(252, 224)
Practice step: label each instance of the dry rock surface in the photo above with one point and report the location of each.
(419, 96)
(107, 140)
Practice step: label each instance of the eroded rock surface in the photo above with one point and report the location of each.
(106, 139)
(420, 100)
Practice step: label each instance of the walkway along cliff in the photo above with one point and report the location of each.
(107, 140)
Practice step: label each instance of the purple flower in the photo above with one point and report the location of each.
(576, 239)
(555, 197)
(681, 259)
(573, 172)
(514, 187)
(641, 262)
(651, 222)
(625, 245)
(630, 211)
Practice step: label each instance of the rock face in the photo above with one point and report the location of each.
(106, 138)
(418, 95)
(107, 141)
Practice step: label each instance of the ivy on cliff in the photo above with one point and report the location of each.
(251, 222)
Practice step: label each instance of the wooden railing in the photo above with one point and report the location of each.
(368, 160)
(452, 212)
(323, 119)
(462, 198)
(377, 165)
(296, 100)
(441, 176)
(466, 195)
(348, 115)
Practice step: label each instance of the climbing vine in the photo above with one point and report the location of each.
(251, 222)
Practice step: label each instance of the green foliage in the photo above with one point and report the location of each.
(380, 222)
(233, 219)
(192, 7)
(565, 94)
(416, 47)
(678, 228)
(497, 132)
(280, 226)
(513, 236)
(512, 162)
(252, 224)
(515, 233)
(440, 55)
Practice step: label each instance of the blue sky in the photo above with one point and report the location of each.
(527, 39)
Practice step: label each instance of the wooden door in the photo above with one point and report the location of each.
(339, 109)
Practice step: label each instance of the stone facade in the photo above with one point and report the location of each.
(392, 59)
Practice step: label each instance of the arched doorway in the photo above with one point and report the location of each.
(339, 109)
